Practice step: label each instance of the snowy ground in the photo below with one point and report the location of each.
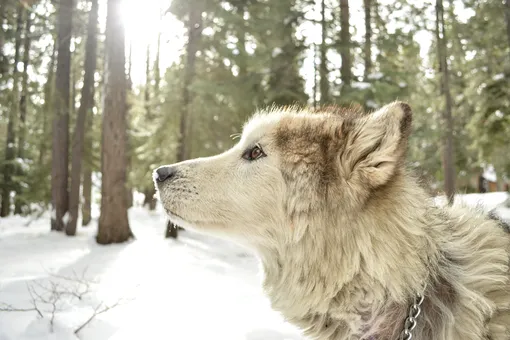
(195, 288)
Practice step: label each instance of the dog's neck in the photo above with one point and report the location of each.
(360, 271)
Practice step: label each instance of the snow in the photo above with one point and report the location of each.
(498, 76)
(361, 85)
(276, 52)
(490, 174)
(375, 76)
(372, 104)
(194, 288)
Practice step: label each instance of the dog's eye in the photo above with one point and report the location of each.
(253, 153)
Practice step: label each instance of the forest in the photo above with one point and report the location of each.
(95, 94)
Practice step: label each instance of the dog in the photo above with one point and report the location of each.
(351, 245)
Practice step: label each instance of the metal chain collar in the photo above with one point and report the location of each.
(411, 320)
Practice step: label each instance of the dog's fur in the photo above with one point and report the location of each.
(347, 237)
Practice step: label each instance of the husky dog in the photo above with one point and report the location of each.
(351, 246)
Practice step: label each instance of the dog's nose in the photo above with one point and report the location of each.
(164, 173)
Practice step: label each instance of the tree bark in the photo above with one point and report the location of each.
(315, 75)
(49, 93)
(323, 68)
(507, 17)
(3, 5)
(368, 39)
(10, 150)
(194, 33)
(129, 88)
(86, 208)
(86, 101)
(113, 221)
(23, 106)
(345, 39)
(60, 157)
(448, 152)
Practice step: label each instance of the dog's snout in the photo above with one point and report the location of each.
(165, 173)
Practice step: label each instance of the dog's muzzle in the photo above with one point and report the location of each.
(164, 173)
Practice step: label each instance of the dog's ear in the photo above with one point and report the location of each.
(375, 144)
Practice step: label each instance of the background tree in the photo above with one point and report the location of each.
(448, 158)
(87, 98)
(60, 170)
(113, 225)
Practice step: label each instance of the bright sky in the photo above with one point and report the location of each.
(143, 21)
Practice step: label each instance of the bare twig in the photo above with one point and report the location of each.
(98, 311)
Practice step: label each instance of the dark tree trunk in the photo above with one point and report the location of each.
(315, 76)
(49, 92)
(23, 107)
(368, 39)
(507, 17)
(172, 231)
(86, 208)
(24, 88)
(86, 101)
(448, 155)
(113, 222)
(345, 40)
(10, 150)
(323, 69)
(60, 157)
(194, 33)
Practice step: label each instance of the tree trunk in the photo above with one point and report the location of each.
(315, 75)
(323, 69)
(345, 40)
(507, 17)
(368, 39)
(24, 87)
(10, 151)
(60, 162)
(113, 222)
(49, 92)
(172, 231)
(448, 155)
(194, 33)
(129, 88)
(3, 4)
(86, 208)
(86, 101)
(23, 107)
(150, 191)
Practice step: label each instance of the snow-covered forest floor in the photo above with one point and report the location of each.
(196, 287)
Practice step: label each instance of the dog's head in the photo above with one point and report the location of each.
(288, 168)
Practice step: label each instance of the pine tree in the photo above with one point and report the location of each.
(23, 107)
(345, 40)
(10, 150)
(87, 96)
(323, 69)
(60, 171)
(113, 226)
(448, 158)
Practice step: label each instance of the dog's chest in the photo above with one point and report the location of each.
(324, 313)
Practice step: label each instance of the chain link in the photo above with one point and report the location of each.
(411, 320)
